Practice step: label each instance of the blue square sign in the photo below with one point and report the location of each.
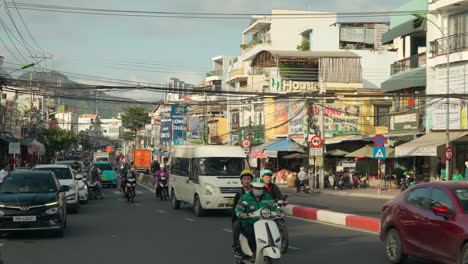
(380, 153)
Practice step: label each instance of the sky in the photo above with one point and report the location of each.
(109, 46)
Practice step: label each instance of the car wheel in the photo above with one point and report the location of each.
(393, 247)
(197, 207)
(174, 202)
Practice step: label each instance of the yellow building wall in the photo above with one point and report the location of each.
(269, 113)
(222, 129)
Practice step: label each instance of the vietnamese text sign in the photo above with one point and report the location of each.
(14, 148)
(296, 122)
(339, 119)
(404, 122)
(439, 115)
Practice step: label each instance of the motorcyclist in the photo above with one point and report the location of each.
(130, 174)
(301, 177)
(95, 175)
(155, 166)
(251, 202)
(76, 167)
(246, 178)
(157, 177)
(271, 188)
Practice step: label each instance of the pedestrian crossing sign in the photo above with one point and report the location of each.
(379, 153)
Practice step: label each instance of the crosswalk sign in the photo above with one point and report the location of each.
(380, 153)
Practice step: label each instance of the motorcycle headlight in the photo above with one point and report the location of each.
(265, 213)
(52, 211)
(210, 189)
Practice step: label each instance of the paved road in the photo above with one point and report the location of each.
(343, 204)
(149, 231)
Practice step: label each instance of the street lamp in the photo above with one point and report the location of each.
(420, 17)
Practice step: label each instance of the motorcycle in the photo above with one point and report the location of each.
(92, 190)
(363, 182)
(164, 188)
(406, 182)
(282, 228)
(338, 182)
(130, 189)
(267, 237)
(304, 186)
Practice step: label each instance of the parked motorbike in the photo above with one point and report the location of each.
(406, 182)
(338, 182)
(363, 182)
(130, 189)
(267, 237)
(164, 188)
(304, 185)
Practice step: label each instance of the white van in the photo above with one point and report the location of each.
(206, 176)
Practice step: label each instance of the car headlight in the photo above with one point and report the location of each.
(52, 211)
(210, 189)
(1, 213)
(71, 197)
(82, 187)
(265, 213)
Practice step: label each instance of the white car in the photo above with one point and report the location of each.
(83, 187)
(66, 177)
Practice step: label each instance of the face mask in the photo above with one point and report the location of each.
(257, 193)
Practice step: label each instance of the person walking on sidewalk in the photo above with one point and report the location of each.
(271, 188)
(246, 178)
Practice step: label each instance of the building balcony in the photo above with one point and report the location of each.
(446, 5)
(409, 63)
(457, 42)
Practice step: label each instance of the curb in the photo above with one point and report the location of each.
(341, 219)
(348, 220)
(362, 195)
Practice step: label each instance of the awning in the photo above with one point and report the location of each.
(368, 152)
(426, 146)
(337, 153)
(403, 29)
(285, 144)
(337, 140)
(404, 80)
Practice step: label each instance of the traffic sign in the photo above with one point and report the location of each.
(380, 153)
(316, 151)
(449, 153)
(316, 141)
(379, 140)
(246, 143)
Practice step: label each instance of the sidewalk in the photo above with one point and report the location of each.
(370, 192)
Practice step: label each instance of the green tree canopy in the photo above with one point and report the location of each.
(135, 118)
(56, 139)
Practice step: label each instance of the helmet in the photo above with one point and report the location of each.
(258, 183)
(266, 172)
(247, 173)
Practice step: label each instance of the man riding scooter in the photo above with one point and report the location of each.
(251, 202)
(162, 172)
(246, 178)
(271, 188)
(130, 174)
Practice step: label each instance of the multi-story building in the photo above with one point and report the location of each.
(68, 121)
(111, 128)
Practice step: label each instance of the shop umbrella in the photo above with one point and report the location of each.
(257, 155)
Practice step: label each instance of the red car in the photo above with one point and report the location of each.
(428, 220)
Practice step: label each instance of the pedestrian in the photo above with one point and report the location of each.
(457, 176)
(4, 172)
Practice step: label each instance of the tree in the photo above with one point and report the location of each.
(56, 139)
(135, 118)
(304, 46)
(85, 140)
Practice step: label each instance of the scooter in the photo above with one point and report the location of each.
(267, 236)
(92, 189)
(130, 190)
(164, 195)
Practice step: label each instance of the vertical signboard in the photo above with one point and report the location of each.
(166, 126)
(281, 117)
(179, 129)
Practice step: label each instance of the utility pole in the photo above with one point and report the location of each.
(308, 107)
(322, 134)
(205, 123)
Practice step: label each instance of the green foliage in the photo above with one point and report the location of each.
(135, 118)
(56, 139)
(85, 140)
(304, 46)
(128, 136)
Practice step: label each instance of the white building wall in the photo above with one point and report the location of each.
(84, 124)
(111, 128)
(68, 121)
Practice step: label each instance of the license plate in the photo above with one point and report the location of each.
(103, 179)
(31, 218)
(231, 202)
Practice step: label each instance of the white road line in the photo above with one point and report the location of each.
(228, 230)
(293, 248)
(148, 188)
(340, 226)
(137, 204)
(190, 219)
(161, 211)
(2, 244)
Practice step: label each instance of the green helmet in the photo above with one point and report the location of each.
(266, 172)
(258, 183)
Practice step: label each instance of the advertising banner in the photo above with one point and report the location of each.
(457, 115)
(297, 121)
(281, 117)
(339, 119)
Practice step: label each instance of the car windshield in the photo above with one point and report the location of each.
(28, 183)
(462, 197)
(102, 159)
(104, 166)
(220, 166)
(60, 173)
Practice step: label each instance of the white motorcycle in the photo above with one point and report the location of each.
(267, 237)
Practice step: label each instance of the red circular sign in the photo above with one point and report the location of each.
(316, 141)
(449, 153)
(246, 143)
(379, 140)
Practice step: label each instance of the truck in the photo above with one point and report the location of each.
(101, 156)
(142, 159)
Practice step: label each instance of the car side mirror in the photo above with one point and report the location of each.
(64, 188)
(441, 211)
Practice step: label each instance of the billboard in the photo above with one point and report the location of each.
(281, 117)
(338, 119)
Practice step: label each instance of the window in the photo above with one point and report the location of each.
(180, 166)
(60, 173)
(381, 116)
(220, 166)
(28, 183)
(462, 197)
(420, 198)
(440, 198)
(458, 23)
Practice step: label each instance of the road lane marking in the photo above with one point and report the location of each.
(161, 211)
(137, 204)
(228, 230)
(190, 219)
(116, 192)
(148, 188)
(340, 226)
(293, 248)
